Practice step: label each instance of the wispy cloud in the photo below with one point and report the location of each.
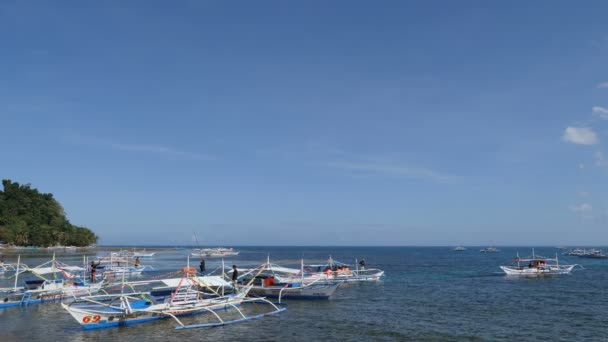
(141, 148)
(395, 169)
(584, 210)
(358, 165)
(580, 135)
(603, 85)
(600, 112)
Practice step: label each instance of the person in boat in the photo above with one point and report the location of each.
(269, 281)
(202, 266)
(136, 261)
(235, 274)
(328, 271)
(362, 264)
(1, 259)
(94, 271)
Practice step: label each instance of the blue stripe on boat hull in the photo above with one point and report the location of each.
(31, 301)
(117, 323)
(287, 296)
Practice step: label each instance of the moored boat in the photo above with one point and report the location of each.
(186, 296)
(70, 283)
(217, 252)
(537, 265)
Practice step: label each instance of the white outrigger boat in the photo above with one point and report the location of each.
(113, 267)
(537, 265)
(217, 252)
(331, 272)
(8, 268)
(489, 250)
(184, 296)
(133, 254)
(341, 272)
(45, 290)
(265, 281)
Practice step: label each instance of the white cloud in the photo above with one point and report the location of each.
(584, 210)
(141, 148)
(580, 135)
(600, 112)
(392, 169)
(603, 85)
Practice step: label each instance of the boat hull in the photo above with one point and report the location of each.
(322, 292)
(90, 319)
(11, 299)
(537, 271)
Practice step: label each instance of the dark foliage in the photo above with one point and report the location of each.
(31, 218)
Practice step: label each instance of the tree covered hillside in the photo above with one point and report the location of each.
(31, 218)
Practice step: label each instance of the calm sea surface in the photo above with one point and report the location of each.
(428, 294)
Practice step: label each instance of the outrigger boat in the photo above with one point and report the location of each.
(331, 272)
(594, 254)
(188, 295)
(133, 254)
(489, 250)
(45, 290)
(113, 267)
(336, 271)
(7, 268)
(267, 283)
(588, 253)
(576, 252)
(537, 266)
(217, 252)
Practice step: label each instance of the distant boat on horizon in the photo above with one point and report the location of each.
(459, 249)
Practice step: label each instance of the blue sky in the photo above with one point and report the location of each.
(312, 123)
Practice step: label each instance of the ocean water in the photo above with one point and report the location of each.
(427, 294)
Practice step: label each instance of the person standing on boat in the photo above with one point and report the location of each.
(235, 274)
(94, 271)
(362, 264)
(202, 266)
(136, 261)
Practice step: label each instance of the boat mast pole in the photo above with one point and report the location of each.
(17, 271)
(53, 267)
(188, 266)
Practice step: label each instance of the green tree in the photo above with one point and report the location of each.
(31, 218)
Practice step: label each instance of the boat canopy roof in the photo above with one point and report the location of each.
(49, 270)
(210, 281)
(536, 258)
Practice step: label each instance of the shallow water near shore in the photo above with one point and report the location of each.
(427, 294)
